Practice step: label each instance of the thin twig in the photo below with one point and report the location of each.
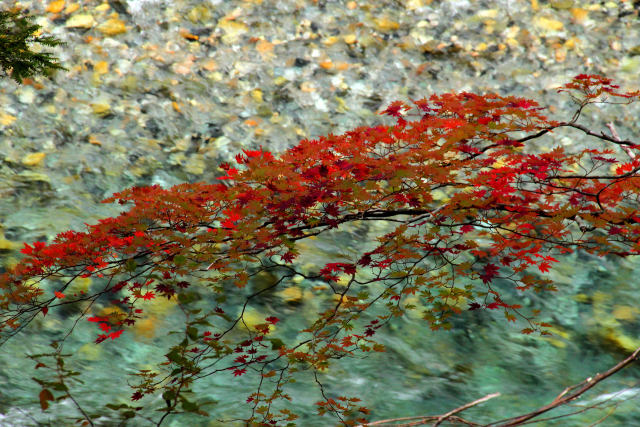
(466, 406)
(564, 398)
(437, 418)
(615, 135)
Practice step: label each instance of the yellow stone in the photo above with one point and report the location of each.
(93, 139)
(307, 87)
(55, 6)
(571, 43)
(71, 8)
(145, 327)
(101, 108)
(413, 4)
(622, 341)
(481, 47)
(256, 94)
(82, 284)
(6, 119)
(292, 294)
(80, 21)
(350, 39)
(385, 25)
(548, 24)
(102, 7)
(101, 67)
(232, 29)
(112, 27)
(561, 4)
(488, 13)
(534, 5)
(330, 41)
(8, 245)
(33, 159)
(264, 47)
(90, 351)
(624, 312)
(583, 298)
(252, 319)
(556, 342)
(209, 65)
(579, 14)
(195, 165)
(280, 80)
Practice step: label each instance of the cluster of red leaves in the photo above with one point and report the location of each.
(461, 143)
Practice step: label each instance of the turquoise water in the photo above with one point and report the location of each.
(423, 372)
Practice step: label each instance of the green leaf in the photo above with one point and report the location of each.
(131, 265)
(169, 395)
(192, 333)
(189, 406)
(276, 343)
(128, 414)
(18, 34)
(179, 260)
(174, 356)
(116, 407)
(59, 387)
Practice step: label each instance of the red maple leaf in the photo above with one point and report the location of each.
(466, 228)
(543, 266)
(288, 257)
(489, 273)
(238, 372)
(149, 295)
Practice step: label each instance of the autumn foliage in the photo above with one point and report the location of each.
(528, 208)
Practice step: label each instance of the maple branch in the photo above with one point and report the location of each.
(615, 139)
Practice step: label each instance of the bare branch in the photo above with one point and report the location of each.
(566, 397)
(437, 418)
(617, 138)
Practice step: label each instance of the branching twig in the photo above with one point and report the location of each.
(615, 135)
(567, 395)
(437, 418)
